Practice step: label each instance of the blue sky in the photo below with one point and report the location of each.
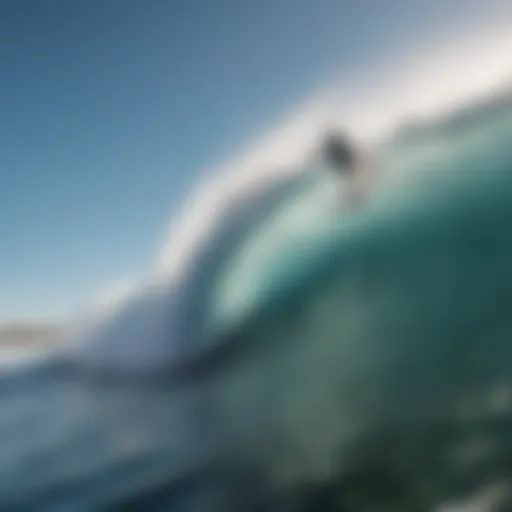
(111, 110)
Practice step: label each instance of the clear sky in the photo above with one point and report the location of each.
(111, 109)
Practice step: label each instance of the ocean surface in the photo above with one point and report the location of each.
(353, 359)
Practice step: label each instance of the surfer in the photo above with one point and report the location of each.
(341, 156)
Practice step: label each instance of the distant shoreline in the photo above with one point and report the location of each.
(24, 335)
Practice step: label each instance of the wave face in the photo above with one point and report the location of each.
(373, 347)
(448, 164)
(378, 342)
(261, 248)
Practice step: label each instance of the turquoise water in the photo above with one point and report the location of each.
(461, 168)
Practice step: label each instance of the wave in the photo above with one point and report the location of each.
(261, 252)
(372, 352)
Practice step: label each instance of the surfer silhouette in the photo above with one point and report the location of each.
(342, 157)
